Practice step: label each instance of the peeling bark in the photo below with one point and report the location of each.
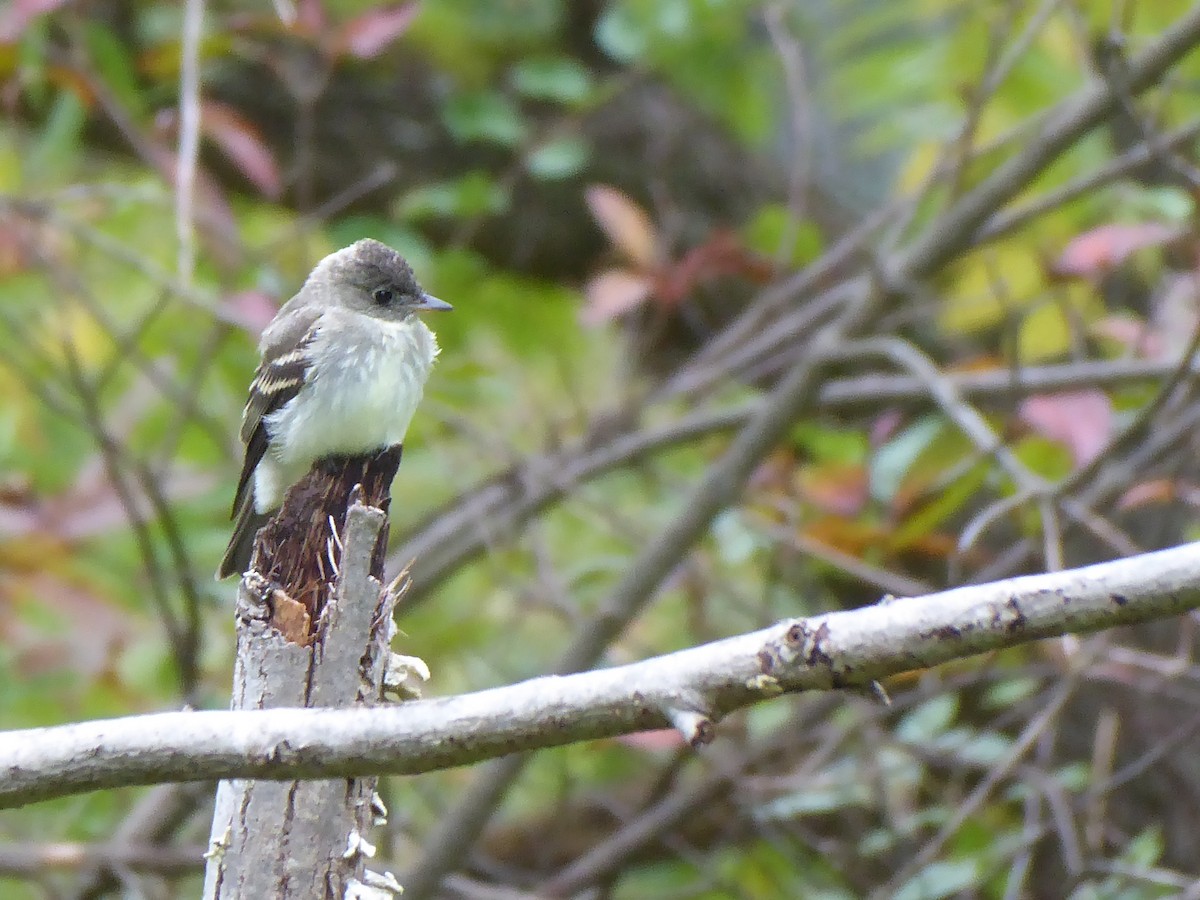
(314, 624)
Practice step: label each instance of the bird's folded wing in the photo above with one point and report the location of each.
(278, 379)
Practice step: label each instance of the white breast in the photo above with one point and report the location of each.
(359, 395)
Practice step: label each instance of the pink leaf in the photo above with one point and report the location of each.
(252, 310)
(95, 628)
(1130, 332)
(614, 293)
(310, 18)
(885, 426)
(625, 224)
(1148, 493)
(241, 143)
(373, 32)
(1082, 420)
(842, 489)
(16, 18)
(1107, 246)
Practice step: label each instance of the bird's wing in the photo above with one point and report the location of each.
(280, 375)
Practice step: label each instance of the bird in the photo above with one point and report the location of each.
(343, 368)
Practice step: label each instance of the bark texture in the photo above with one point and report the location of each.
(314, 624)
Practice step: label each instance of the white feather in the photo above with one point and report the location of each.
(360, 393)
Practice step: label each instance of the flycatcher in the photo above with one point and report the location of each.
(344, 364)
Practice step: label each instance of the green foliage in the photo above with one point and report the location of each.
(58, 144)
(555, 78)
(115, 67)
(90, 278)
(774, 233)
(708, 50)
(484, 116)
(942, 879)
(892, 462)
(468, 196)
(558, 158)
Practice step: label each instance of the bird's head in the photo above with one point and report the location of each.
(372, 278)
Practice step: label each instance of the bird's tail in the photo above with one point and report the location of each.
(241, 545)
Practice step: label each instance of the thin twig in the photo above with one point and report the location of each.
(189, 136)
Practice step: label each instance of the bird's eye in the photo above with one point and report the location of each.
(383, 296)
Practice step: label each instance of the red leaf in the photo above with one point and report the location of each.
(1082, 420)
(1107, 246)
(612, 294)
(721, 254)
(373, 32)
(241, 143)
(625, 224)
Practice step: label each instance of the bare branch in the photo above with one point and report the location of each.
(833, 650)
(189, 137)
(466, 527)
(33, 860)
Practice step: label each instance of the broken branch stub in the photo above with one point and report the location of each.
(314, 627)
(299, 551)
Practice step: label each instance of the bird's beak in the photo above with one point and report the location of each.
(433, 304)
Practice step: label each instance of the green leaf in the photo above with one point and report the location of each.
(1145, 849)
(1168, 203)
(986, 286)
(115, 65)
(1045, 333)
(556, 78)
(773, 225)
(894, 459)
(930, 718)
(831, 445)
(941, 879)
(557, 159)
(621, 35)
(485, 116)
(1010, 691)
(1047, 458)
(1074, 776)
(932, 514)
(8, 432)
(976, 748)
(736, 542)
(474, 194)
(59, 143)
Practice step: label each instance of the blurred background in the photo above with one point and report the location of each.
(642, 212)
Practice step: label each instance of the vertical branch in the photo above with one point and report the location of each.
(314, 624)
(189, 137)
